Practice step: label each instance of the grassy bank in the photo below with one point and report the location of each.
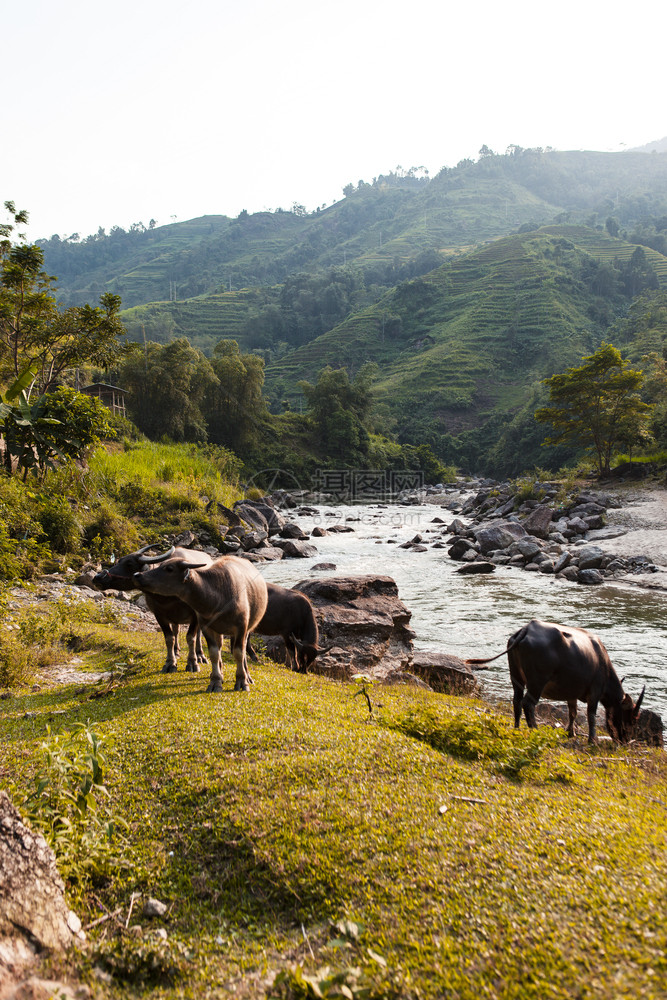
(306, 846)
(128, 493)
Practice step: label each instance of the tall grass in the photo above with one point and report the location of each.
(210, 470)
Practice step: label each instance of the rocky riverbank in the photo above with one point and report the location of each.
(565, 537)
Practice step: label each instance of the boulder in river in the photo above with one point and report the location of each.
(499, 536)
(364, 620)
(296, 549)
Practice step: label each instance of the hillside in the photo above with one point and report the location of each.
(466, 345)
(465, 289)
(378, 226)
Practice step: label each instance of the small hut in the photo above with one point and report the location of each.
(108, 395)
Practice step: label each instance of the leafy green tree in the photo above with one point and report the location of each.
(168, 385)
(35, 333)
(235, 406)
(596, 405)
(339, 408)
(612, 226)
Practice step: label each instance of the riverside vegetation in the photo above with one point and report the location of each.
(304, 841)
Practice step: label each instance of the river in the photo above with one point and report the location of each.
(474, 615)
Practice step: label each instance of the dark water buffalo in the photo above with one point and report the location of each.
(169, 611)
(290, 615)
(571, 665)
(228, 596)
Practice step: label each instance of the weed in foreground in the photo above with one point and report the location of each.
(64, 804)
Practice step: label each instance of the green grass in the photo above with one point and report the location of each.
(168, 464)
(467, 859)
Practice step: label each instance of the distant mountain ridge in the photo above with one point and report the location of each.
(659, 146)
(397, 217)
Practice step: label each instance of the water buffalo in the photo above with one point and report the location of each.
(228, 596)
(290, 615)
(169, 611)
(566, 664)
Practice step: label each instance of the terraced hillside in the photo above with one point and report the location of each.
(204, 320)
(472, 338)
(603, 247)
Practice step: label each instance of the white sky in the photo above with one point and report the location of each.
(119, 111)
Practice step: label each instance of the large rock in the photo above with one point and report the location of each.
(498, 536)
(31, 891)
(528, 547)
(292, 530)
(296, 549)
(538, 522)
(364, 620)
(649, 728)
(590, 557)
(274, 521)
(33, 913)
(442, 672)
(459, 548)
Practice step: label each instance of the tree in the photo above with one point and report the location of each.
(168, 386)
(56, 427)
(596, 405)
(235, 406)
(339, 408)
(35, 333)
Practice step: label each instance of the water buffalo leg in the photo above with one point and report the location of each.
(214, 641)
(192, 666)
(529, 702)
(238, 644)
(199, 650)
(516, 701)
(170, 633)
(572, 709)
(591, 712)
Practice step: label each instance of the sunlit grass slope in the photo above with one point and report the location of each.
(421, 850)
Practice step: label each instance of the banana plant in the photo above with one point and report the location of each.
(27, 430)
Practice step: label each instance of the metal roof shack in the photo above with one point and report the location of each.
(109, 395)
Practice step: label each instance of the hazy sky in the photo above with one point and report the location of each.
(120, 112)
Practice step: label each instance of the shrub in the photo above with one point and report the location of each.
(60, 524)
(486, 736)
(109, 533)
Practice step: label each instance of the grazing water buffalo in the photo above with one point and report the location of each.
(228, 596)
(170, 612)
(566, 664)
(290, 615)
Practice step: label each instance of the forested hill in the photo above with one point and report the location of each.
(466, 290)
(461, 351)
(392, 228)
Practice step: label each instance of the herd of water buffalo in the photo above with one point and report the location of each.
(228, 596)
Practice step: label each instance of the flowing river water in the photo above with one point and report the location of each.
(474, 615)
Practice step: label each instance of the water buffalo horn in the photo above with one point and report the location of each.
(305, 645)
(639, 700)
(147, 560)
